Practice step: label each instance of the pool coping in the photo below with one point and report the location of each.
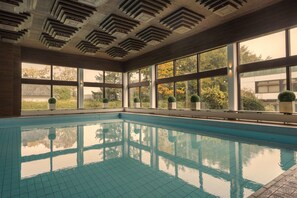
(285, 186)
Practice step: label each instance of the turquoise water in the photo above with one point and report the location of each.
(123, 156)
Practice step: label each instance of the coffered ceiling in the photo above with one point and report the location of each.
(114, 29)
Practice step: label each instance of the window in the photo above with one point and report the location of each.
(93, 97)
(164, 91)
(64, 73)
(113, 77)
(184, 91)
(165, 70)
(134, 77)
(115, 97)
(186, 65)
(133, 93)
(95, 76)
(36, 71)
(145, 97)
(294, 82)
(214, 92)
(145, 74)
(260, 89)
(35, 97)
(293, 41)
(66, 96)
(213, 59)
(262, 48)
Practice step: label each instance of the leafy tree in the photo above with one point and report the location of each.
(214, 98)
(63, 93)
(250, 101)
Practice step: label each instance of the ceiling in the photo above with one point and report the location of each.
(114, 29)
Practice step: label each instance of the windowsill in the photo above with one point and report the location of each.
(68, 111)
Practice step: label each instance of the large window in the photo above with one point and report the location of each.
(263, 48)
(35, 96)
(133, 93)
(165, 70)
(213, 59)
(134, 77)
(145, 96)
(294, 82)
(93, 97)
(186, 65)
(113, 77)
(293, 41)
(64, 73)
(95, 76)
(66, 96)
(184, 90)
(164, 91)
(115, 97)
(259, 89)
(214, 92)
(36, 71)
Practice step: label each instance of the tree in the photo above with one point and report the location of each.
(214, 98)
(63, 93)
(250, 101)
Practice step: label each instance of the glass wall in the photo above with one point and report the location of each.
(93, 97)
(294, 82)
(113, 77)
(66, 96)
(213, 59)
(95, 76)
(35, 96)
(164, 91)
(114, 96)
(259, 89)
(64, 73)
(214, 92)
(261, 48)
(293, 41)
(186, 65)
(36, 71)
(165, 70)
(183, 91)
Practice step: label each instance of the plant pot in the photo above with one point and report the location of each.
(171, 105)
(52, 107)
(136, 105)
(195, 106)
(105, 105)
(287, 107)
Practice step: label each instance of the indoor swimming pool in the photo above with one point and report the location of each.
(129, 155)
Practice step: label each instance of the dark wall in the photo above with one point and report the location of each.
(10, 80)
(32, 55)
(276, 17)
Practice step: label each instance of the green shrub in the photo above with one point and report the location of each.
(286, 96)
(52, 100)
(195, 98)
(136, 100)
(171, 99)
(105, 100)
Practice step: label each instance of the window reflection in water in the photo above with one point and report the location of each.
(201, 161)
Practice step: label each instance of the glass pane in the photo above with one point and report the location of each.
(293, 41)
(36, 71)
(93, 97)
(115, 97)
(66, 97)
(113, 77)
(294, 82)
(164, 91)
(145, 74)
(184, 91)
(214, 93)
(64, 73)
(263, 48)
(134, 77)
(213, 59)
(93, 76)
(186, 65)
(35, 97)
(145, 97)
(264, 98)
(165, 70)
(133, 92)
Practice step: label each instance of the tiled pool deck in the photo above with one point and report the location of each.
(284, 186)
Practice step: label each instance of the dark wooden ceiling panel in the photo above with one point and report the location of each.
(12, 2)
(71, 13)
(58, 30)
(11, 36)
(222, 7)
(143, 10)
(87, 47)
(100, 39)
(153, 35)
(14, 22)
(118, 26)
(182, 20)
(132, 45)
(116, 52)
(51, 42)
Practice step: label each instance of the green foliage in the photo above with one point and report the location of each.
(195, 98)
(105, 100)
(136, 100)
(63, 93)
(214, 98)
(250, 101)
(286, 96)
(97, 95)
(171, 99)
(52, 100)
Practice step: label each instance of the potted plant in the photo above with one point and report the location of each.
(52, 103)
(287, 102)
(136, 103)
(195, 102)
(171, 103)
(105, 103)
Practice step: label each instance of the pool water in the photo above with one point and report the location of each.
(131, 158)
